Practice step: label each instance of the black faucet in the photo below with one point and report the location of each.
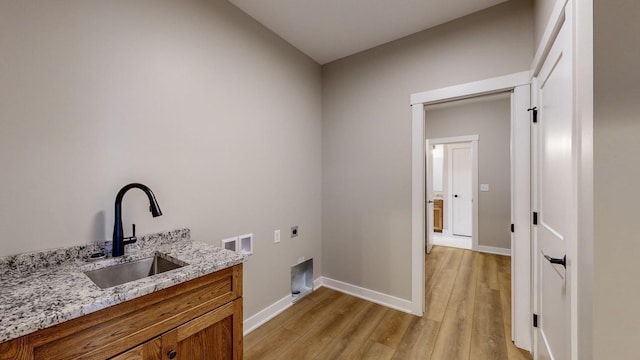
(118, 239)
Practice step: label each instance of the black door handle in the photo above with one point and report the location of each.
(430, 201)
(456, 195)
(562, 261)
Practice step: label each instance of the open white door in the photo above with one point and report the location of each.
(428, 206)
(521, 304)
(555, 199)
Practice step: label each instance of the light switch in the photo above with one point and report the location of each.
(484, 187)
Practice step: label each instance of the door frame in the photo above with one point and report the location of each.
(519, 84)
(473, 139)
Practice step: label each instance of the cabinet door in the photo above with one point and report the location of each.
(151, 350)
(216, 335)
(437, 216)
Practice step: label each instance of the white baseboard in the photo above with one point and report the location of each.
(266, 314)
(494, 250)
(451, 241)
(271, 311)
(369, 295)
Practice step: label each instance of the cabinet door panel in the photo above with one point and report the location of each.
(216, 335)
(151, 350)
(213, 342)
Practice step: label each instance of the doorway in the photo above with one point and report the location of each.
(451, 177)
(519, 86)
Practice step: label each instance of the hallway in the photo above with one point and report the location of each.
(468, 317)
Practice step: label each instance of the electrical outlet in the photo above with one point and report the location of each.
(276, 236)
(484, 187)
(294, 231)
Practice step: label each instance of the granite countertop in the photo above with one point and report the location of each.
(42, 289)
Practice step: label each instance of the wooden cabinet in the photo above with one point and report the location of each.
(199, 319)
(210, 336)
(437, 215)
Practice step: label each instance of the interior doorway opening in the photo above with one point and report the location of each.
(518, 85)
(451, 177)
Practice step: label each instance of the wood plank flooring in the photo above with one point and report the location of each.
(468, 301)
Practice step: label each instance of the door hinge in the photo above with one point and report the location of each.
(534, 116)
(535, 320)
(513, 228)
(535, 218)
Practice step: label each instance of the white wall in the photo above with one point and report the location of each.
(366, 135)
(616, 314)
(220, 117)
(490, 118)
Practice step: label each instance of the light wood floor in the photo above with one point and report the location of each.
(468, 317)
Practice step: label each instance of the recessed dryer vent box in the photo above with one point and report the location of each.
(245, 244)
(301, 279)
(230, 243)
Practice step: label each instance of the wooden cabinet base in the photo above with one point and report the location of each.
(199, 319)
(437, 215)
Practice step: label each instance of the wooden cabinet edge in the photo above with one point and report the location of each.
(23, 348)
(16, 349)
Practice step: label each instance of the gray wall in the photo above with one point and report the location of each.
(219, 116)
(366, 135)
(490, 118)
(616, 318)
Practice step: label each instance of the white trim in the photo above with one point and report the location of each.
(455, 139)
(418, 101)
(453, 241)
(476, 198)
(472, 89)
(266, 314)
(582, 348)
(369, 295)
(556, 19)
(494, 250)
(417, 210)
(261, 317)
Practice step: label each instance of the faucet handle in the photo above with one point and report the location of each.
(132, 238)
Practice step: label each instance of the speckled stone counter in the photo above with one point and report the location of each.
(42, 289)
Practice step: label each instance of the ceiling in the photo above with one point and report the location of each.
(328, 30)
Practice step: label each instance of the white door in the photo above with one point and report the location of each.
(461, 194)
(554, 200)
